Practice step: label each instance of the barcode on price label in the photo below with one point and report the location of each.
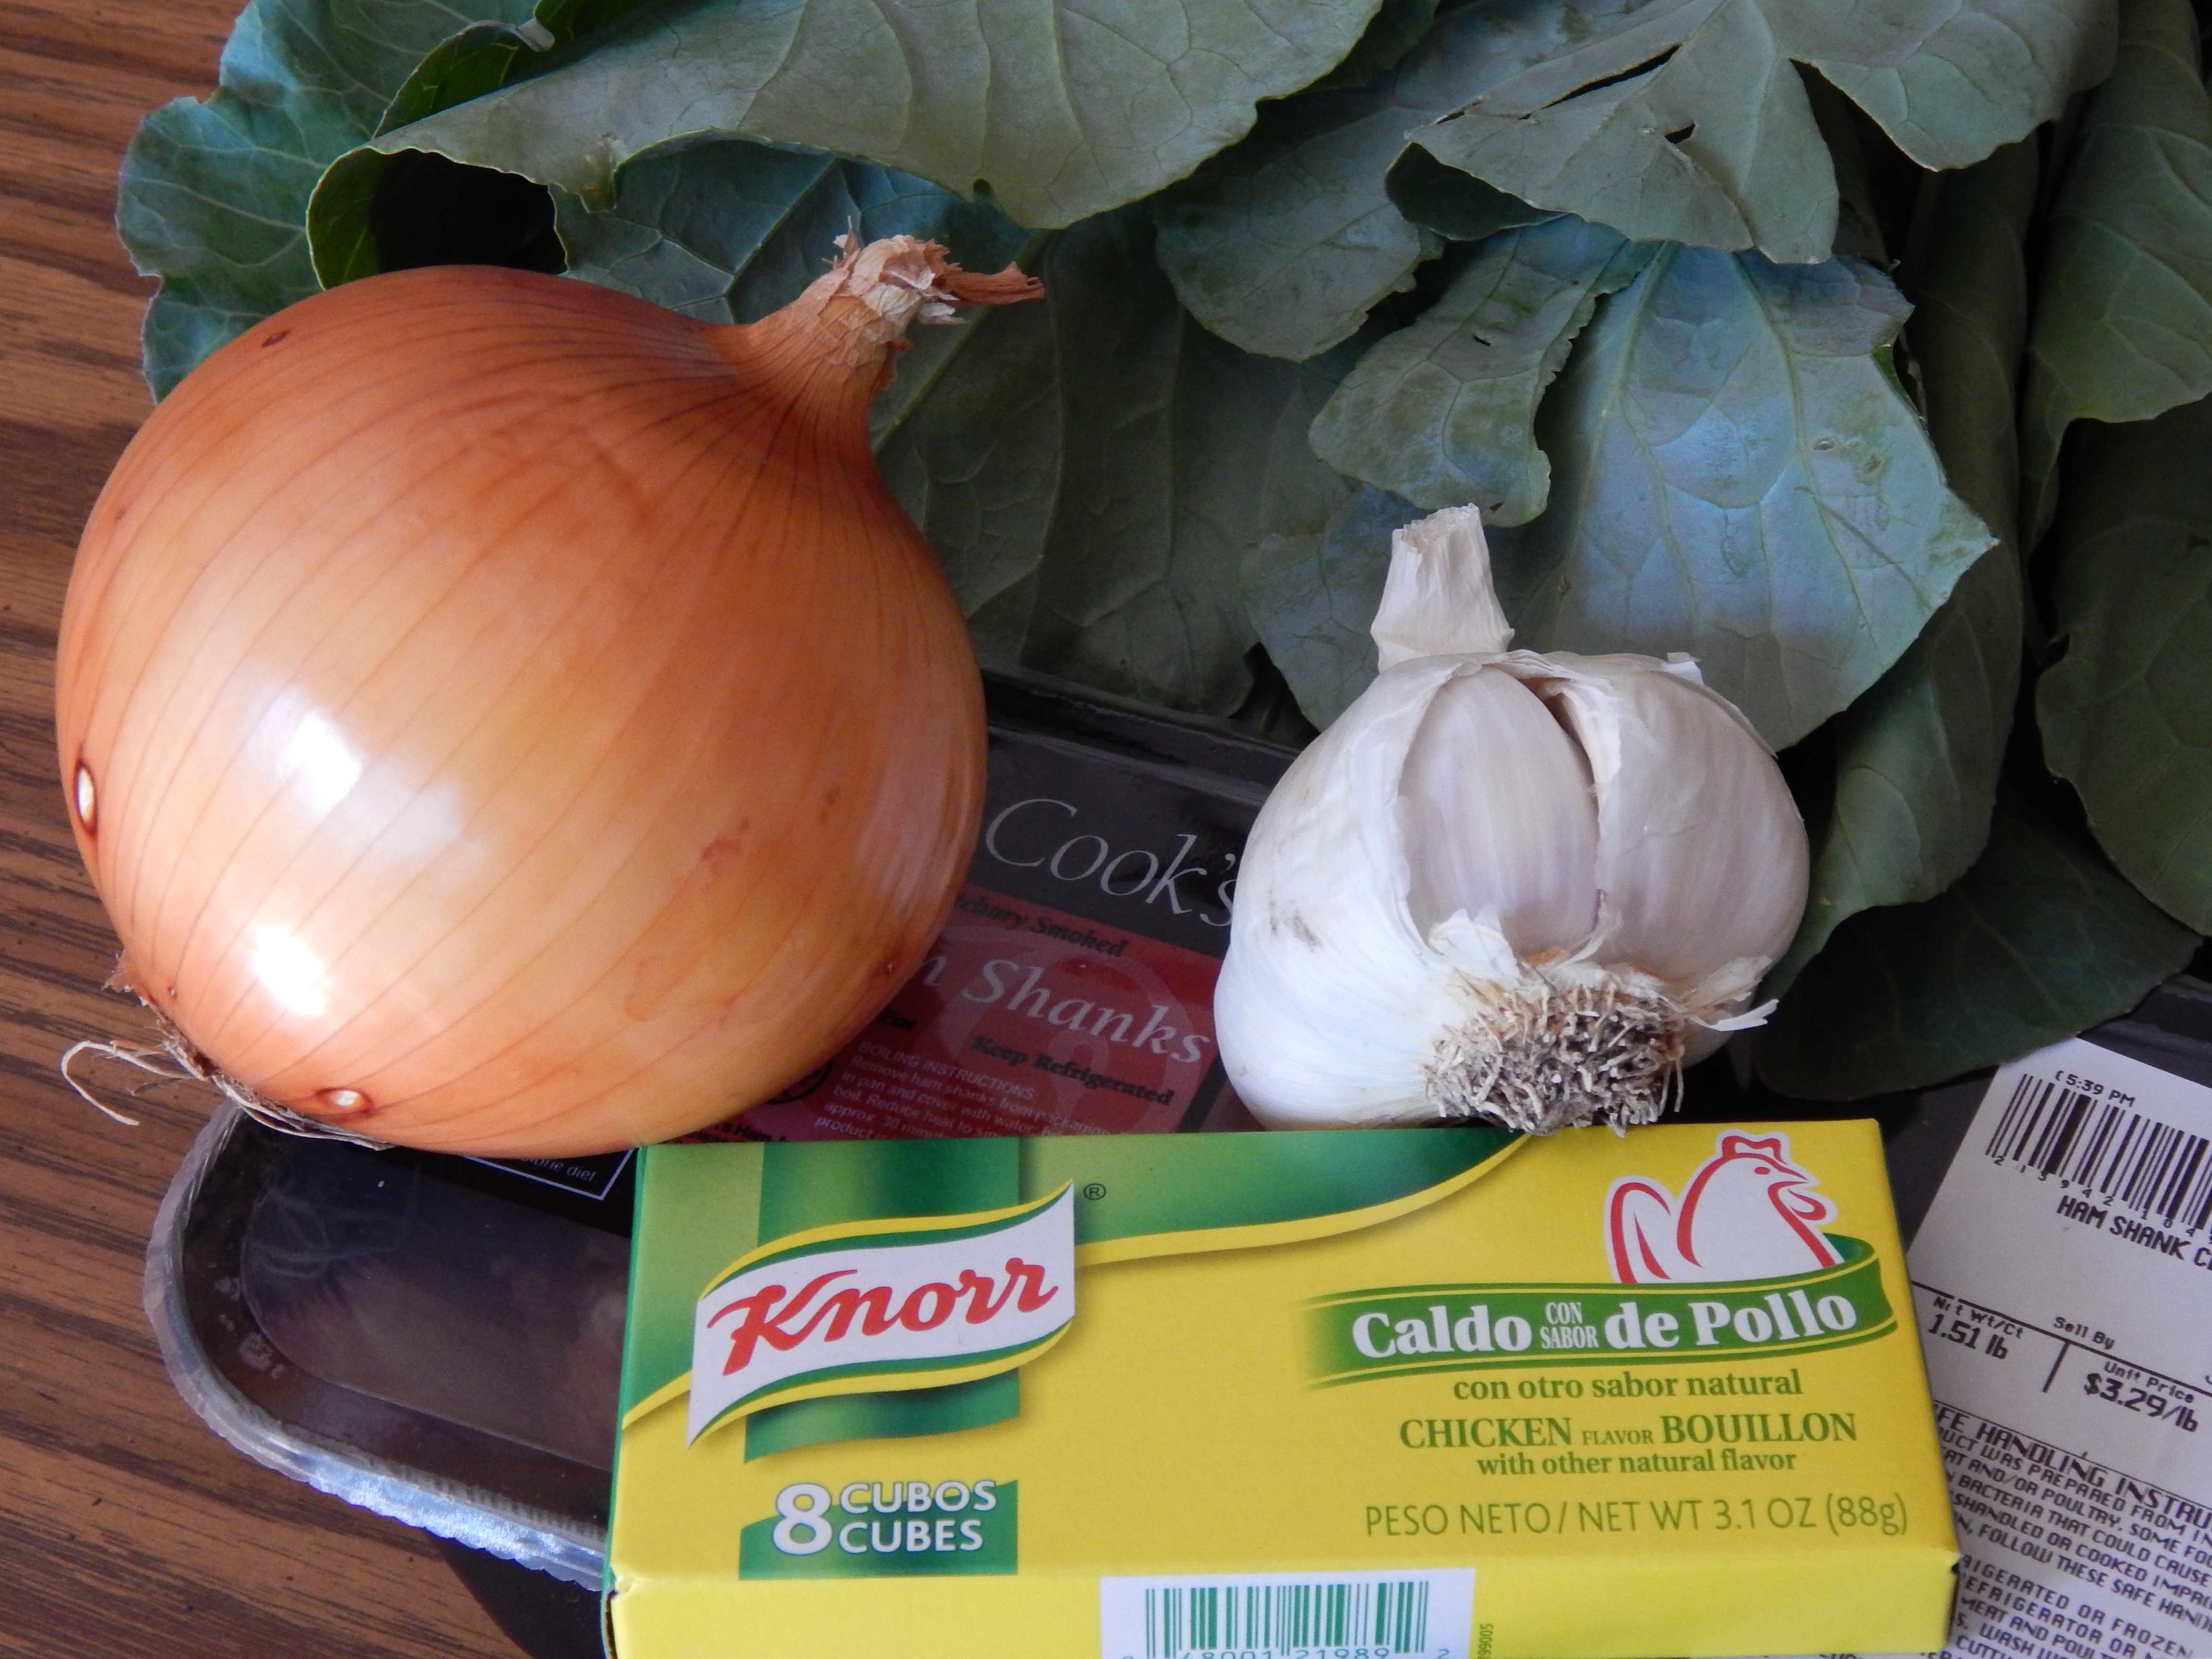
(2108, 1149)
(1343, 1615)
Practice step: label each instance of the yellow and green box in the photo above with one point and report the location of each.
(1433, 1392)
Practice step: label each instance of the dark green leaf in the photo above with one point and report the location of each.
(1180, 454)
(1681, 120)
(213, 195)
(1442, 412)
(339, 219)
(1314, 597)
(461, 67)
(2041, 938)
(1396, 30)
(2127, 714)
(731, 231)
(1062, 110)
(1283, 245)
(485, 58)
(1951, 81)
(373, 212)
(1456, 205)
(1736, 475)
(1916, 757)
(2124, 320)
(969, 439)
(1687, 121)
(1846, 130)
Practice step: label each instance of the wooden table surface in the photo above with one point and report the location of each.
(127, 1530)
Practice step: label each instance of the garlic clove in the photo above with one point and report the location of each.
(1498, 818)
(1330, 1000)
(1701, 855)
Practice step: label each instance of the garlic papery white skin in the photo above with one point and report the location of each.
(1504, 885)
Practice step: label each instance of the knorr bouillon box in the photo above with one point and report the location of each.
(1429, 1392)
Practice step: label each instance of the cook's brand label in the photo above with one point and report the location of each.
(869, 1306)
(1695, 1262)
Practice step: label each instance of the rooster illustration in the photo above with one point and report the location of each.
(1748, 1212)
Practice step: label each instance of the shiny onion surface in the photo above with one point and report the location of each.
(503, 717)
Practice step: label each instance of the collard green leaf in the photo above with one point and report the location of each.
(1687, 121)
(1916, 763)
(2127, 713)
(1283, 245)
(460, 67)
(1394, 30)
(2041, 938)
(1716, 146)
(1442, 412)
(481, 59)
(969, 440)
(1314, 599)
(1681, 120)
(214, 194)
(1951, 82)
(1061, 109)
(1179, 454)
(2124, 320)
(1736, 475)
(1917, 756)
(1456, 206)
(1853, 148)
(731, 231)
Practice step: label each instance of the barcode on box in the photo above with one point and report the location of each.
(2110, 1150)
(1341, 1615)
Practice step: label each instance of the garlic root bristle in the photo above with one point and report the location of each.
(1560, 1056)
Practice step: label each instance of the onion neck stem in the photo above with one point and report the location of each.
(838, 340)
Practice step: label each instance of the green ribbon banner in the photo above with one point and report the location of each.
(1356, 1335)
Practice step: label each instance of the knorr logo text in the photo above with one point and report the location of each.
(1363, 1333)
(887, 1304)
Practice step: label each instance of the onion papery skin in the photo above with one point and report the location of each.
(519, 721)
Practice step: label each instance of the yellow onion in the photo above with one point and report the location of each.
(503, 717)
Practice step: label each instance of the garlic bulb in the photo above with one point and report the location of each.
(1504, 885)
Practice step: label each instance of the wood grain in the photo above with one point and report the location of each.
(128, 1530)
